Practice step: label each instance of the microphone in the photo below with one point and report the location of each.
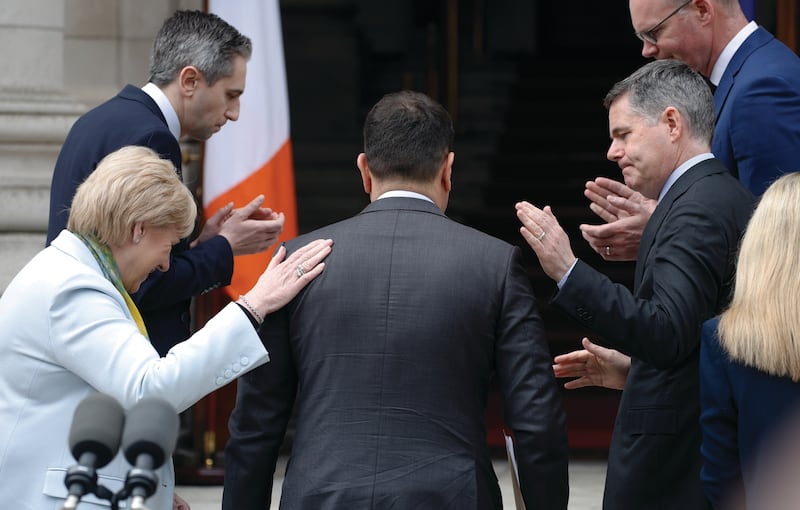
(149, 438)
(94, 439)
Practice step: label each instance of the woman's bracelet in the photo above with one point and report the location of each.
(251, 309)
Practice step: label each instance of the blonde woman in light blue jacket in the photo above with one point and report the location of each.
(69, 327)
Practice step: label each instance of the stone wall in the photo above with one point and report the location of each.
(62, 57)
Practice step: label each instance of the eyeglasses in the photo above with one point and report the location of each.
(650, 35)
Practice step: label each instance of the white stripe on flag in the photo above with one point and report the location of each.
(242, 147)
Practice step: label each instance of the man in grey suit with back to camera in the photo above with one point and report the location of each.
(390, 352)
(660, 121)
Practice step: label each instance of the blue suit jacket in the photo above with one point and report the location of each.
(757, 104)
(133, 118)
(741, 408)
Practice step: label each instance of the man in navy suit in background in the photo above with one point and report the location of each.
(197, 74)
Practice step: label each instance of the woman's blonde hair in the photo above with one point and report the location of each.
(131, 185)
(760, 328)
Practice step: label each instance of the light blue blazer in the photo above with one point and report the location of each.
(66, 332)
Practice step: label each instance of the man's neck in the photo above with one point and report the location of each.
(167, 107)
(726, 26)
(425, 190)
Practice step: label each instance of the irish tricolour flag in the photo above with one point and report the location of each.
(253, 155)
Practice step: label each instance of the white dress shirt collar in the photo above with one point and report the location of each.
(404, 194)
(173, 123)
(689, 163)
(729, 51)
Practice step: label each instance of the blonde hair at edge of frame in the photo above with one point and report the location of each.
(760, 328)
(130, 185)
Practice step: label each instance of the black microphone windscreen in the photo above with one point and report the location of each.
(152, 429)
(97, 428)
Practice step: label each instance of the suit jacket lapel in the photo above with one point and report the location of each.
(755, 41)
(684, 182)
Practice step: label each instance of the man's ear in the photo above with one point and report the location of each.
(705, 11)
(366, 176)
(188, 79)
(447, 172)
(674, 121)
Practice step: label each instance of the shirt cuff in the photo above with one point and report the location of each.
(563, 279)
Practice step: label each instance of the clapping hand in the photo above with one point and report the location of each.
(626, 213)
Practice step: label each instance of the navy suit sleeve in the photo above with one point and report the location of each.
(532, 400)
(765, 131)
(264, 401)
(718, 419)
(191, 272)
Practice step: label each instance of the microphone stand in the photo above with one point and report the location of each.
(82, 479)
(140, 484)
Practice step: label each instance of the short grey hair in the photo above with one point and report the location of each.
(663, 83)
(200, 39)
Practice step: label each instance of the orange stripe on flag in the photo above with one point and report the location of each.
(275, 180)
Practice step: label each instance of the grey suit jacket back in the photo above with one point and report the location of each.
(394, 347)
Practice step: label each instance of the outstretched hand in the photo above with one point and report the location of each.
(626, 213)
(541, 230)
(283, 279)
(593, 366)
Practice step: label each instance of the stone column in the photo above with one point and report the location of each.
(35, 116)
